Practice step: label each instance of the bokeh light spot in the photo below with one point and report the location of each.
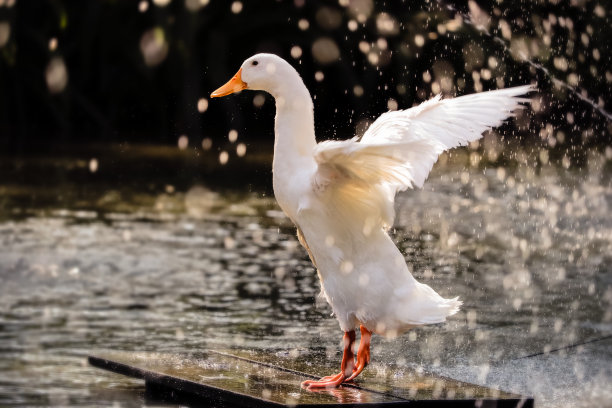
(161, 3)
(153, 46)
(52, 44)
(241, 149)
(93, 165)
(325, 51)
(5, 33)
(236, 7)
(296, 51)
(232, 136)
(195, 5)
(328, 18)
(361, 9)
(258, 100)
(183, 142)
(223, 157)
(419, 40)
(386, 24)
(56, 75)
(364, 47)
(358, 90)
(202, 105)
(206, 143)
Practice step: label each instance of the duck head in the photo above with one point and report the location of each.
(263, 72)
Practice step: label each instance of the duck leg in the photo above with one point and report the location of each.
(346, 367)
(363, 354)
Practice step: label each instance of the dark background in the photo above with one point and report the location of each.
(114, 96)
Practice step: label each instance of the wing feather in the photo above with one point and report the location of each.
(454, 122)
(399, 149)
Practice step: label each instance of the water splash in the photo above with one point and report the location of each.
(580, 94)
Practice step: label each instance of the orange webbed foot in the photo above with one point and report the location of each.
(330, 381)
(347, 367)
(363, 354)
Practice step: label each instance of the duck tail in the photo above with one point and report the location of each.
(426, 306)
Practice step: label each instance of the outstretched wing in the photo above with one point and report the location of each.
(399, 149)
(451, 122)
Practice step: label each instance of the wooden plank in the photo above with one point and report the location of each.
(224, 379)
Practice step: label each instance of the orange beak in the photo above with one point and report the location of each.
(236, 84)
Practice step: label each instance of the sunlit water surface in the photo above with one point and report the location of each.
(183, 269)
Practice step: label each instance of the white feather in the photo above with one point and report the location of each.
(399, 149)
(340, 194)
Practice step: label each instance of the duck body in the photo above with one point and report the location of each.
(340, 195)
(364, 277)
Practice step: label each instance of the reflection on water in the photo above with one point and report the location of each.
(183, 267)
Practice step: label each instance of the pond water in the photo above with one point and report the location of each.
(158, 249)
(94, 260)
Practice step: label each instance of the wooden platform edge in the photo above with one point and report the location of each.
(166, 388)
(163, 386)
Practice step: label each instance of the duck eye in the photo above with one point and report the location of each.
(254, 63)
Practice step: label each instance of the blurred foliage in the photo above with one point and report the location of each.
(133, 71)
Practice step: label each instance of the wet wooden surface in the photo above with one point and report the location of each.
(242, 379)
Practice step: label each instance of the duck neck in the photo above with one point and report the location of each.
(293, 127)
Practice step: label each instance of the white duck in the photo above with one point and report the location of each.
(340, 196)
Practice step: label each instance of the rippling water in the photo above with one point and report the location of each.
(180, 267)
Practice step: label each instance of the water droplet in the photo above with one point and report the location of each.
(296, 51)
(206, 143)
(223, 157)
(419, 40)
(153, 46)
(236, 7)
(232, 136)
(183, 142)
(325, 51)
(56, 75)
(241, 150)
(202, 105)
(93, 165)
(303, 24)
(52, 43)
(346, 267)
